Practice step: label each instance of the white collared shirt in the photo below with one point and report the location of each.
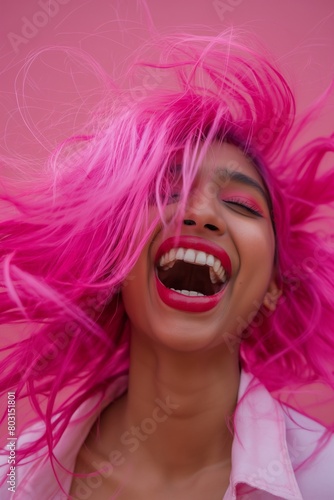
(270, 443)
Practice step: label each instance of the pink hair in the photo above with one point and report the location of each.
(77, 230)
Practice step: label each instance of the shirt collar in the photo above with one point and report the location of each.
(260, 457)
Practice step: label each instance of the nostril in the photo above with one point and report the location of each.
(189, 222)
(211, 227)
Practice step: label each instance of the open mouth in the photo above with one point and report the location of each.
(191, 272)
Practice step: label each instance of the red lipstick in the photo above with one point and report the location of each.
(183, 302)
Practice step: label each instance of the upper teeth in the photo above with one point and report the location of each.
(217, 272)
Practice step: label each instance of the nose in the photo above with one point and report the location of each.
(191, 222)
(203, 212)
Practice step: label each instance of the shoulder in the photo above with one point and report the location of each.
(296, 448)
(37, 477)
(25, 469)
(311, 450)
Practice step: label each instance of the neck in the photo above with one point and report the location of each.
(180, 403)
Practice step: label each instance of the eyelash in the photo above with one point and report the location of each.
(175, 193)
(174, 198)
(243, 203)
(247, 205)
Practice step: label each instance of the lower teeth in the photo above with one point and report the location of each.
(189, 292)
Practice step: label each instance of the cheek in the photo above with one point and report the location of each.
(132, 296)
(132, 282)
(265, 248)
(256, 249)
(261, 237)
(135, 290)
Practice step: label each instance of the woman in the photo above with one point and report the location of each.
(176, 290)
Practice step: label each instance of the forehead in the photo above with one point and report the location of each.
(221, 158)
(227, 166)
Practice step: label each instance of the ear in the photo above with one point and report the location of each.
(272, 295)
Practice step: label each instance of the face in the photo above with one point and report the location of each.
(197, 291)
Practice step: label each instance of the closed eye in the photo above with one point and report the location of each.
(169, 188)
(243, 206)
(174, 197)
(174, 188)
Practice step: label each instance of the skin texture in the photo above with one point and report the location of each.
(183, 358)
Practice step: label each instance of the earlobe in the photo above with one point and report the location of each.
(272, 296)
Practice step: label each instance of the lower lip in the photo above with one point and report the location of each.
(185, 302)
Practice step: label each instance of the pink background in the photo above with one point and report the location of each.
(57, 93)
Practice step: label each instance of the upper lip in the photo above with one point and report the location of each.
(196, 243)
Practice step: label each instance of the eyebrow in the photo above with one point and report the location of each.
(232, 175)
